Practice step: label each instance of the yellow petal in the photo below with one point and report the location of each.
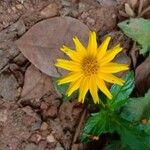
(92, 44)
(103, 47)
(102, 86)
(73, 86)
(113, 67)
(79, 47)
(93, 89)
(71, 53)
(84, 86)
(110, 54)
(68, 65)
(110, 78)
(70, 77)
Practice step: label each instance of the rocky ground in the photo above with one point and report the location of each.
(33, 115)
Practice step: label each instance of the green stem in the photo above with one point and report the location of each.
(103, 105)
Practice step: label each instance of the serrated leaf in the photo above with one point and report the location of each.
(139, 30)
(62, 90)
(95, 125)
(131, 135)
(121, 93)
(137, 108)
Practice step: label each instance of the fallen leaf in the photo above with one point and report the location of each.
(146, 3)
(139, 30)
(129, 11)
(133, 3)
(42, 43)
(142, 76)
(36, 84)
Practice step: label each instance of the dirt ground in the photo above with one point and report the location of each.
(33, 115)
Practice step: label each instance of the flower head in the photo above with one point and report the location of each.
(89, 68)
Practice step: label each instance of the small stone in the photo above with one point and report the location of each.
(90, 20)
(30, 146)
(44, 105)
(50, 138)
(50, 11)
(59, 147)
(45, 133)
(74, 13)
(19, 91)
(81, 7)
(65, 3)
(3, 115)
(20, 59)
(19, 6)
(84, 15)
(13, 9)
(8, 87)
(35, 138)
(29, 111)
(52, 112)
(44, 126)
(36, 125)
(42, 145)
(65, 11)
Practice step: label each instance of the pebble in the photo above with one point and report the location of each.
(3, 115)
(19, 6)
(52, 112)
(50, 11)
(50, 138)
(35, 138)
(59, 147)
(36, 125)
(65, 3)
(44, 126)
(44, 106)
(42, 145)
(30, 146)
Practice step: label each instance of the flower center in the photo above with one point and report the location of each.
(89, 66)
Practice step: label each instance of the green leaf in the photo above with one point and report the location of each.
(131, 135)
(139, 30)
(95, 125)
(62, 90)
(147, 127)
(121, 93)
(137, 108)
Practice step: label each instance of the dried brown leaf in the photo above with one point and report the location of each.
(42, 42)
(129, 11)
(133, 3)
(142, 76)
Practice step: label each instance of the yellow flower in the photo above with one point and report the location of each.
(89, 68)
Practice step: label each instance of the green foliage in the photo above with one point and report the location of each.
(62, 90)
(131, 136)
(121, 93)
(139, 30)
(95, 125)
(116, 117)
(137, 108)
